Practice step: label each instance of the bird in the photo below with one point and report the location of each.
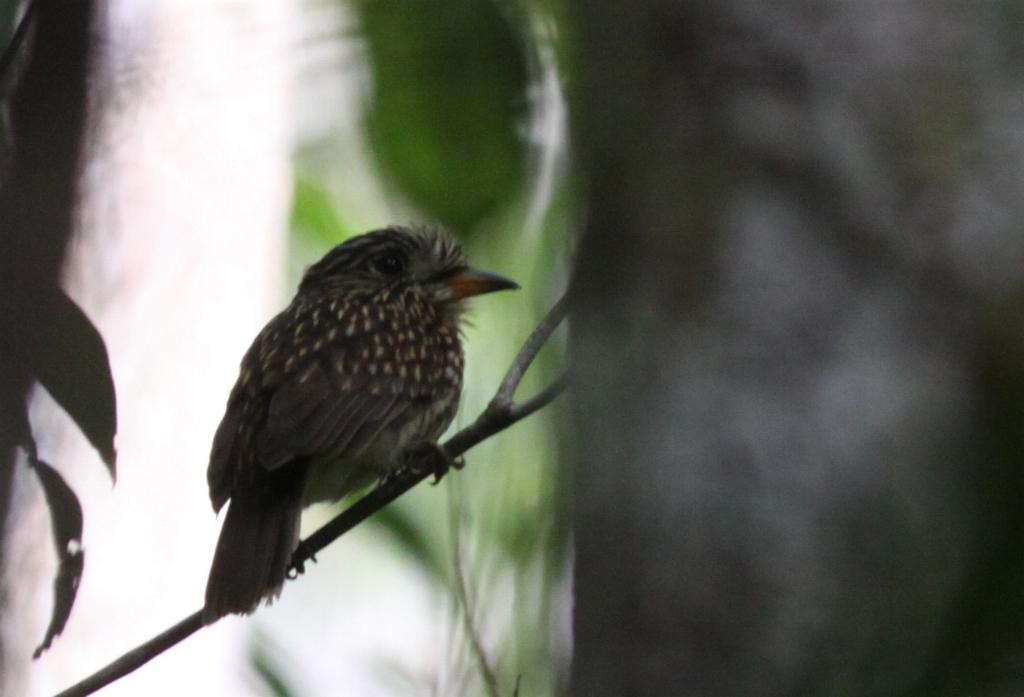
(362, 367)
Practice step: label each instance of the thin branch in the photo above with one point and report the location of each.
(517, 412)
(501, 413)
(137, 657)
(538, 337)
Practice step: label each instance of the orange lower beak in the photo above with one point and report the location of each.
(469, 282)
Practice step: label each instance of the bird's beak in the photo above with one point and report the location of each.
(469, 282)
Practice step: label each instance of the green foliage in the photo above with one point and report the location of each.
(314, 216)
(448, 105)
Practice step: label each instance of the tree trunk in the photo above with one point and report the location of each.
(797, 342)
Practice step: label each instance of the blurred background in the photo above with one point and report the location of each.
(791, 459)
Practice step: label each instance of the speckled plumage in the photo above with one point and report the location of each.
(360, 367)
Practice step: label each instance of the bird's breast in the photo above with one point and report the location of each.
(331, 479)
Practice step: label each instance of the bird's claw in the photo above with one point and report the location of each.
(430, 458)
(299, 558)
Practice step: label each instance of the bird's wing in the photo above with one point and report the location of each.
(285, 410)
(220, 474)
(319, 414)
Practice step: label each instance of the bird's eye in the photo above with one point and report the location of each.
(389, 264)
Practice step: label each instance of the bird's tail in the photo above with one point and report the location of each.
(252, 557)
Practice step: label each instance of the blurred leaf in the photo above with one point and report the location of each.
(66, 517)
(398, 523)
(14, 51)
(71, 362)
(15, 43)
(269, 676)
(313, 213)
(448, 104)
(265, 662)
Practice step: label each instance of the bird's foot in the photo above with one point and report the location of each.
(428, 457)
(299, 558)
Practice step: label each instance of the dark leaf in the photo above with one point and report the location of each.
(70, 361)
(448, 105)
(66, 518)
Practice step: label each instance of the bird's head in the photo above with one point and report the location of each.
(423, 261)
